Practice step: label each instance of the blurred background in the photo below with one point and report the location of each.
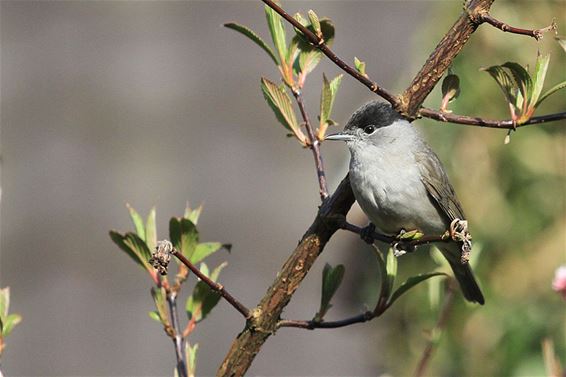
(154, 103)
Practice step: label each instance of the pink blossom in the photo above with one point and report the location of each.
(559, 282)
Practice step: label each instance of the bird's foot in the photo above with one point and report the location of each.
(366, 234)
(459, 233)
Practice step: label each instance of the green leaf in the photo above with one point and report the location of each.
(191, 356)
(331, 280)
(9, 323)
(184, 235)
(277, 30)
(159, 298)
(201, 302)
(134, 246)
(391, 269)
(451, 87)
(4, 302)
(360, 66)
(550, 91)
(561, 42)
(281, 104)
(254, 37)
(154, 315)
(504, 81)
(310, 56)
(315, 23)
(412, 235)
(385, 290)
(410, 283)
(151, 230)
(292, 53)
(205, 249)
(522, 79)
(192, 214)
(329, 90)
(541, 67)
(138, 221)
(216, 272)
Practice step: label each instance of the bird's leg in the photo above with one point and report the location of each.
(366, 234)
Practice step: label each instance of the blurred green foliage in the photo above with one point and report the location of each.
(514, 197)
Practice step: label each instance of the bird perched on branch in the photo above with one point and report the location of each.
(401, 185)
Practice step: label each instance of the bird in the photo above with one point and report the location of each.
(401, 184)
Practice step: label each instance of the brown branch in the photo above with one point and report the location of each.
(311, 325)
(535, 33)
(314, 145)
(264, 318)
(443, 56)
(390, 239)
(213, 285)
(319, 43)
(440, 324)
(489, 123)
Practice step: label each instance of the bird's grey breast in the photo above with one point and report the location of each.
(386, 181)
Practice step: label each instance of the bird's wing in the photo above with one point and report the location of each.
(438, 186)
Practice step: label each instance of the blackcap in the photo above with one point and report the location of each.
(401, 185)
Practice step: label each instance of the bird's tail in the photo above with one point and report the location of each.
(466, 279)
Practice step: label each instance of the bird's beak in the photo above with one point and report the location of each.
(340, 136)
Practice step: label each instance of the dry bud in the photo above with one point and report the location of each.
(162, 256)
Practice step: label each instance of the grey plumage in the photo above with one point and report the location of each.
(401, 184)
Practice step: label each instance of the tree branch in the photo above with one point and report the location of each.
(443, 56)
(489, 123)
(535, 33)
(213, 285)
(264, 318)
(314, 145)
(311, 325)
(390, 240)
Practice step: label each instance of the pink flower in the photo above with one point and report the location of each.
(559, 282)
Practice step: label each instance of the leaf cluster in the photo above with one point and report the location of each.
(295, 60)
(184, 236)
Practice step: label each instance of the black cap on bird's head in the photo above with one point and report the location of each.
(368, 118)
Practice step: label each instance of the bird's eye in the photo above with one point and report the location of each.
(369, 129)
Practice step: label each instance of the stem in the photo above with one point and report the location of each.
(391, 239)
(311, 325)
(535, 33)
(489, 123)
(314, 145)
(178, 340)
(438, 328)
(213, 285)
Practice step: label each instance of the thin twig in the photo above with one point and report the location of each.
(489, 123)
(438, 328)
(213, 285)
(178, 340)
(311, 325)
(391, 239)
(314, 145)
(319, 43)
(535, 33)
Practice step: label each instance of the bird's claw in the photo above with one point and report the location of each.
(459, 233)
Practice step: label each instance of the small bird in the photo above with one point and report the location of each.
(401, 185)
